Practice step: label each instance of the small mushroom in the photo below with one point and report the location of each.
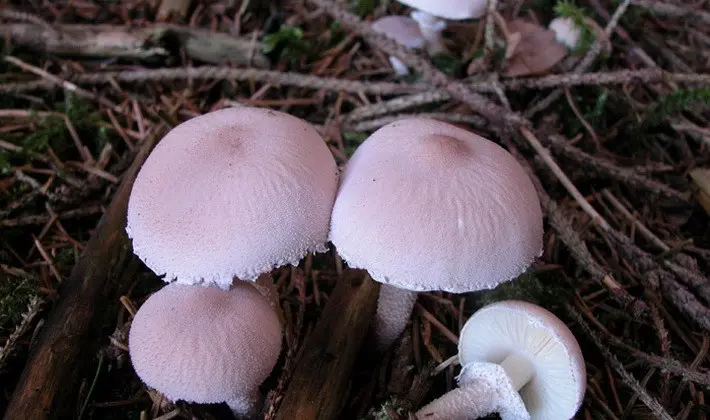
(566, 31)
(403, 30)
(534, 355)
(206, 345)
(232, 193)
(431, 15)
(425, 205)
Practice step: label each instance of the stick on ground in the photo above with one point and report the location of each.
(71, 335)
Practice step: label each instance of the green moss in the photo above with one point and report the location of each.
(15, 293)
(287, 43)
(351, 140)
(567, 9)
(546, 291)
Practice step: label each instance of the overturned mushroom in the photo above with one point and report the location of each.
(533, 354)
(206, 345)
(232, 193)
(425, 205)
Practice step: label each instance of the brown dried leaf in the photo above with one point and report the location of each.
(536, 53)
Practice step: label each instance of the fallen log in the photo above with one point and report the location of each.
(320, 381)
(134, 42)
(88, 302)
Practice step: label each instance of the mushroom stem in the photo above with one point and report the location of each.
(394, 307)
(246, 406)
(431, 28)
(483, 390)
(519, 369)
(399, 67)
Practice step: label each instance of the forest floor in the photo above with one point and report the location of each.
(614, 134)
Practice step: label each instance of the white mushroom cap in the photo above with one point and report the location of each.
(450, 9)
(232, 193)
(206, 345)
(537, 350)
(404, 30)
(566, 31)
(425, 205)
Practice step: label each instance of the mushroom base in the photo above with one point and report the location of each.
(246, 407)
(431, 28)
(484, 389)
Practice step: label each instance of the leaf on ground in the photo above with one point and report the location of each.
(701, 185)
(537, 51)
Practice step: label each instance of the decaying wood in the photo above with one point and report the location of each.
(88, 299)
(319, 383)
(152, 42)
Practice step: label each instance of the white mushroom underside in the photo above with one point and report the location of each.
(495, 333)
(483, 389)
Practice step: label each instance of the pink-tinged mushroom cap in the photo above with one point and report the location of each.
(539, 354)
(404, 30)
(232, 193)
(450, 9)
(424, 205)
(206, 345)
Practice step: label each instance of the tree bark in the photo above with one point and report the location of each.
(319, 384)
(88, 301)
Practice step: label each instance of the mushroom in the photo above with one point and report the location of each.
(424, 205)
(232, 193)
(403, 30)
(206, 345)
(430, 15)
(566, 31)
(514, 352)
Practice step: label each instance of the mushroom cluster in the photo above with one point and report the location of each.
(223, 199)
(228, 196)
(518, 360)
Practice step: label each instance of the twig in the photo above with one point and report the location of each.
(379, 122)
(550, 162)
(393, 105)
(40, 219)
(228, 73)
(672, 10)
(606, 168)
(681, 298)
(71, 87)
(628, 379)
